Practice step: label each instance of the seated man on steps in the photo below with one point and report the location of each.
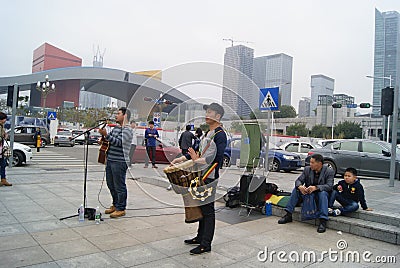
(317, 179)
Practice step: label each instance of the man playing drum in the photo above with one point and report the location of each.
(210, 157)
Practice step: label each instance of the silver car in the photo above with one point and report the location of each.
(370, 158)
(299, 147)
(64, 137)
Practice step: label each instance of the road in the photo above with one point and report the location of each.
(72, 158)
(65, 156)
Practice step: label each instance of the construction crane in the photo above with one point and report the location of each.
(236, 41)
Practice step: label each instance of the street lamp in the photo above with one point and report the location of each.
(159, 102)
(45, 88)
(388, 117)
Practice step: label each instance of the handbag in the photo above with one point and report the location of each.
(309, 208)
(6, 151)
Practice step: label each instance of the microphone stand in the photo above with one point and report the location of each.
(86, 151)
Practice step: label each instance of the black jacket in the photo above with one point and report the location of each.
(186, 140)
(353, 191)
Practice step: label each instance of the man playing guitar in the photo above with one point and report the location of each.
(117, 161)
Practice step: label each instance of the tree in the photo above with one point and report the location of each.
(236, 126)
(298, 129)
(347, 130)
(286, 111)
(320, 131)
(204, 127)
(257, 114)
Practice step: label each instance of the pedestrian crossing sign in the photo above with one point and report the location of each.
(269, 99)
(52, 115)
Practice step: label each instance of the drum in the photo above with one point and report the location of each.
(180, 177)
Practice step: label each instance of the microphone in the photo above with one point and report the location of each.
(104, 120)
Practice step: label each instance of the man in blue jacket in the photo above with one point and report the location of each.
(151, 135)
(317, 179)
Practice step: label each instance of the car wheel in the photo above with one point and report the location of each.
(44, 143)
(226, 162)
(274, 165)
(331, 165)
(18, 159)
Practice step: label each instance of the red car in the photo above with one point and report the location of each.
(165, 152)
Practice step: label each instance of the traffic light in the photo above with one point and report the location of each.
(387, 98)
(10, 95)
(365, 105)
(336, 105)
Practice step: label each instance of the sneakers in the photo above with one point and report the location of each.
(285, 219)
(192, 241)
(200, 250)
(322, 226)
(110, 210)
(117, 214)
(154, 166)
(337, 212)
(4, 182)
(330, 211)
(146, 166)
(169, 188)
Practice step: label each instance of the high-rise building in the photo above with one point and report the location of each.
(238, 92)
(320, 85)
(304, 107)
(48, 57)
(326, 114)
(386, 54)
(275, 71)
(92, 99)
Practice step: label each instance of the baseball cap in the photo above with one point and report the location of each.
(215, 107)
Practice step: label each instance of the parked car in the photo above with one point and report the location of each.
(26, 135)
(21, 154)
(277, 158)
(370, 158)
(94, 137)
(165, 152)
(79, 139)
(64, 137)
(326, 142)
(299, 147)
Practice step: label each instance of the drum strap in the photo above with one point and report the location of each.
(210, 169)
(209, 143)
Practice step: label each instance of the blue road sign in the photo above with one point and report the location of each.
(353, 105)
(269, 98)
(51, 115)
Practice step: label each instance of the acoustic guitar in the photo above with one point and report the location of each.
(104, 144)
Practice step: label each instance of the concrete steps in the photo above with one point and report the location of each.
(375, 225)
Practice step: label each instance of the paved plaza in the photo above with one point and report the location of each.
(152, 232)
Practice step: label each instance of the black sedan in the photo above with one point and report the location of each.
(370, 158)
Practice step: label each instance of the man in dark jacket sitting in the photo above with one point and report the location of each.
(317, 179)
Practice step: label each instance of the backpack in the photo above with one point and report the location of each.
(232, 197)
(271, 188)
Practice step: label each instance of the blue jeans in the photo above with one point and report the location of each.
(3, 164)
(115, 177)
(321, 198)
(348, 205)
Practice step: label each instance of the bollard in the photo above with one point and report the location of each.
(38, 143)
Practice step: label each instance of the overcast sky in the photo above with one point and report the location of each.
(334, 38)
